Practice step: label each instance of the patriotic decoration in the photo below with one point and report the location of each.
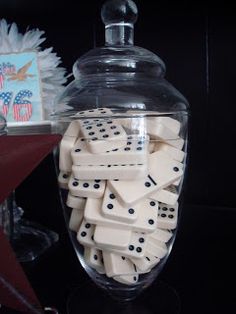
(27, 70)
(1, 80)
(21, 99)
(22, 109)
(5, 99)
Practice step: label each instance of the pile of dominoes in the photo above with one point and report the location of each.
(123, 189)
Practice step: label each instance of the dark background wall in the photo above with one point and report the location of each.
(197, 43)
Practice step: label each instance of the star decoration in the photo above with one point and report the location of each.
(19, 155)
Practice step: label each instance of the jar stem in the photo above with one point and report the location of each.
(119, 34)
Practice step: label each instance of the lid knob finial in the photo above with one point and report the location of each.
(119, 17)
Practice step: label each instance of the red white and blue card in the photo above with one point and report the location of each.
(20, 89)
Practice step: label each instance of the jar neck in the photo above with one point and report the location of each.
(119, 34)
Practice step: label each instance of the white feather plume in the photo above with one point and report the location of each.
(52, 76)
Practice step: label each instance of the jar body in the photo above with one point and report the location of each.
(115, 247)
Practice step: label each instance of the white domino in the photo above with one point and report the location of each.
(136, 123)
(169, 195)
(163, 171)
(100, 112)
(173, 124)
(67, 143)
(167, 216)
(177, 182)
(66, 146)
(116, 265)
(111, 238)
(110, 172)
(86, 233)
(73, 129)
(127, 279)
(134, 152)
(173, 152)
(146, 222)
(146, 263)
(88, 188)
(93, 258)
(178, 143)
(156, 248)
(161, 235)
(125, 122)
(76, 219)
(112, 209)
(151, 147)
(103, 136)
(136, 247)
(160, 132)
(63, 180)
(75, 201)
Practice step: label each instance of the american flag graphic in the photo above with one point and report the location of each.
(5, 99)
(22, 109)
(1, 80)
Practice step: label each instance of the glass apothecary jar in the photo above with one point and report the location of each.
(122, 158)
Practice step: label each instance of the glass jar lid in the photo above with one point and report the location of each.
(119, 55)
(119, 75)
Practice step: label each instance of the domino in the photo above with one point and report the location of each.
(169, 195)
(73, 129)
(66, 145)
(161, 235)
(178, 143)
(167, 216)
(163, 171)
(160, 132)
(146, 263)
(173, 152)
(116, 265)
(136, 247)
(85, 234)
(151, 147)
(88, 188)
(76, 219)
(134, 120)
(63, 180)
(134, 152)
(94, 112)
(173, 124)
(177, 182)
(111, 238)
(65, 160)
(75, 201)
(125, 122)
(127, 280)
(134, 116)
(93, 258)
(112, 209)
(110, 172)
(156, 248)
(146, 222)
(103, 136)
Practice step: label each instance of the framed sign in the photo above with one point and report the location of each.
(20, 88)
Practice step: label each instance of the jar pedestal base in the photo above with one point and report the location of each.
(31, 240)
(158, 298)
